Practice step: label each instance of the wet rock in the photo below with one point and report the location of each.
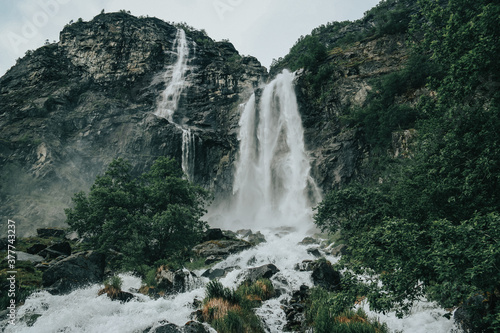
(116, 294)
(309, 241)
(295, 308)
(256, 238)
(325, 276)
(315, 252)
(50, 232)
(195, 327)
(221, 248)
(214, 273)
(163, 327)
(244, 232)
(213, 234)
(73, 272)
(35, 248)
(174, 281)
(230, 234)
(304, 266)
(261, 272)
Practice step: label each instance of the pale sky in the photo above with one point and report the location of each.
(265, 29)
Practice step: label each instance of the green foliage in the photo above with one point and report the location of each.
(114, 281)
(431, 227)
(231, 311)
(147, 218)
(381, 115)
(332, 312)
(215, 289)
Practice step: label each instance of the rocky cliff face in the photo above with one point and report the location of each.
(338, 152)
(69, 108)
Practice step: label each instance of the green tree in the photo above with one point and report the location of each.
(148, 218)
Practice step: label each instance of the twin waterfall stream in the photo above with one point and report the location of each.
(273, 193)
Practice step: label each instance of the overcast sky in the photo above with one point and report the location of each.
(265, 29)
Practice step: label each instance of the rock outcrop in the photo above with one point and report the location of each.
(77, 270)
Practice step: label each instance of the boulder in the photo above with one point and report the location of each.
(50, 232)
(470, 314)
(214, 273)
(309, 241)
(315, 252)
(213, 234)
(304, 266)
(56, 250)
(325, 276)
(261, 272)
(256, 238)
(244, 232)
(195, 327)
(73, 272)
(163, 327)
(35, 248)
(116, 294)
(174, 281)
(221, 248)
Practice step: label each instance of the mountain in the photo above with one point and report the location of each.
(69, 108)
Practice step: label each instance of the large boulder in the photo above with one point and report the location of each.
(73, 272)
(213, 234)
(221, 248)
(261, 272)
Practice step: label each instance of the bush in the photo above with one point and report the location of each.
(115, 282)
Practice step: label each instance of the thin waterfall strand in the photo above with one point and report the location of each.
(169, 99)
(176, 74)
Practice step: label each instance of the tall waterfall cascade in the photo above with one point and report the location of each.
(272, 185)
(175, 79)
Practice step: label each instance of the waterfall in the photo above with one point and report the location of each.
(168, 104)
(175, 75)
(188, 153)
(272, 184)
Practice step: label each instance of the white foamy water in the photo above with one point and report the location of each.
(272, 184)
(84, 311)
